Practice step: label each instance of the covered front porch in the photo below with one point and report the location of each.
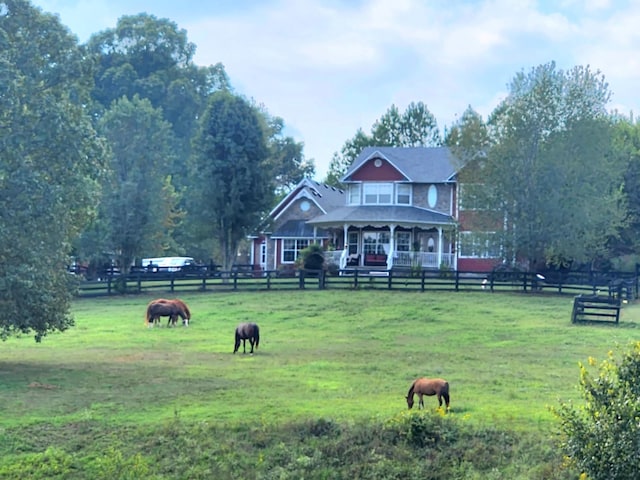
(385, 248)
(390, 237)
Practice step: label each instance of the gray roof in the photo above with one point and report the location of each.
(380, 214)
(325, 196)
(328, 197)
(297, 229)
(418, 164)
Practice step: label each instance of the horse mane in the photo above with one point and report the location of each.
(411, 388)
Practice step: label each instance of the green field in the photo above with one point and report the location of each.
(344, 356)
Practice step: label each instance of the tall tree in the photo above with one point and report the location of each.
(50, 160)
(153, 59)
(231, 175)
(627, 148)
(288, 163)
(414, 128)
(139, 205)
(469, 137)
(550, 169)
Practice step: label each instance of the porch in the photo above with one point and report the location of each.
(403, 259)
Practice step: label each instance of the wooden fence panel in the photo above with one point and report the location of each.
(624, 286)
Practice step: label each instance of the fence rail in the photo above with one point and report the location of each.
(620, 285)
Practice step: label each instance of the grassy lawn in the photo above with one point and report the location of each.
(344, 355)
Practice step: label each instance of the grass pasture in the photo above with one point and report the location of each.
(343, 356)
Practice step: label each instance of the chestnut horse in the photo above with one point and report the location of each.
(247, 331)
(173, 309)
(428, 386)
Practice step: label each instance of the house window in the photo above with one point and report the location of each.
(291, 248)
(263, 254)
(354, 194)
(479, 245)
(352, 243)
(403, 194)
(377, 193)
(403, 241)
(376, 243)
(432, 196)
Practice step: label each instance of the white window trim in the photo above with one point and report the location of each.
(479, 251)
(297, 249)
(397, 193)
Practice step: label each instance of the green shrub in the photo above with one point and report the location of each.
(601, 437)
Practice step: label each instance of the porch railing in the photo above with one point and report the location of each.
(333, 257)
(423, 259)
(400, 259)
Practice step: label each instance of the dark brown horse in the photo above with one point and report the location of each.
(173, 309)
(428, 386)
(247, 331)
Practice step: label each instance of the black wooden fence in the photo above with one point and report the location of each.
(621, 284)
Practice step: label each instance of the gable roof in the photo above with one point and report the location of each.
(417, 164)
(324, 196)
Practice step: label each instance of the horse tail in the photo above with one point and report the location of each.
(257, 336)
(147, 316)
(237, 340)
(445, 393)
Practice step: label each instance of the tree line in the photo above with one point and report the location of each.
(122, 147)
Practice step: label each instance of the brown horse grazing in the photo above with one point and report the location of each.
(247, 331)
(428, 386)
(185, 312)
(167, 308)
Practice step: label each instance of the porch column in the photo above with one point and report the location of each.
(275, 253)
(345, 229)
(392, 246)
(439, 246)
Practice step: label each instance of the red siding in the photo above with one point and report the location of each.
(384, 173)
(477, 264)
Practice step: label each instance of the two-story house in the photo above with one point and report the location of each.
(400, 209)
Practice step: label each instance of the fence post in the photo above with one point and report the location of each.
(389, 281)
(422, 279)
(235, 280)
(457, 280)
(268, 280)
(355, 279)
(301, 278)
(321, 280)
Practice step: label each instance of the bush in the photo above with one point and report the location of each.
(312, 257)
(602, 437)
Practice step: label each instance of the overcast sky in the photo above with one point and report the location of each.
(330, 67)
